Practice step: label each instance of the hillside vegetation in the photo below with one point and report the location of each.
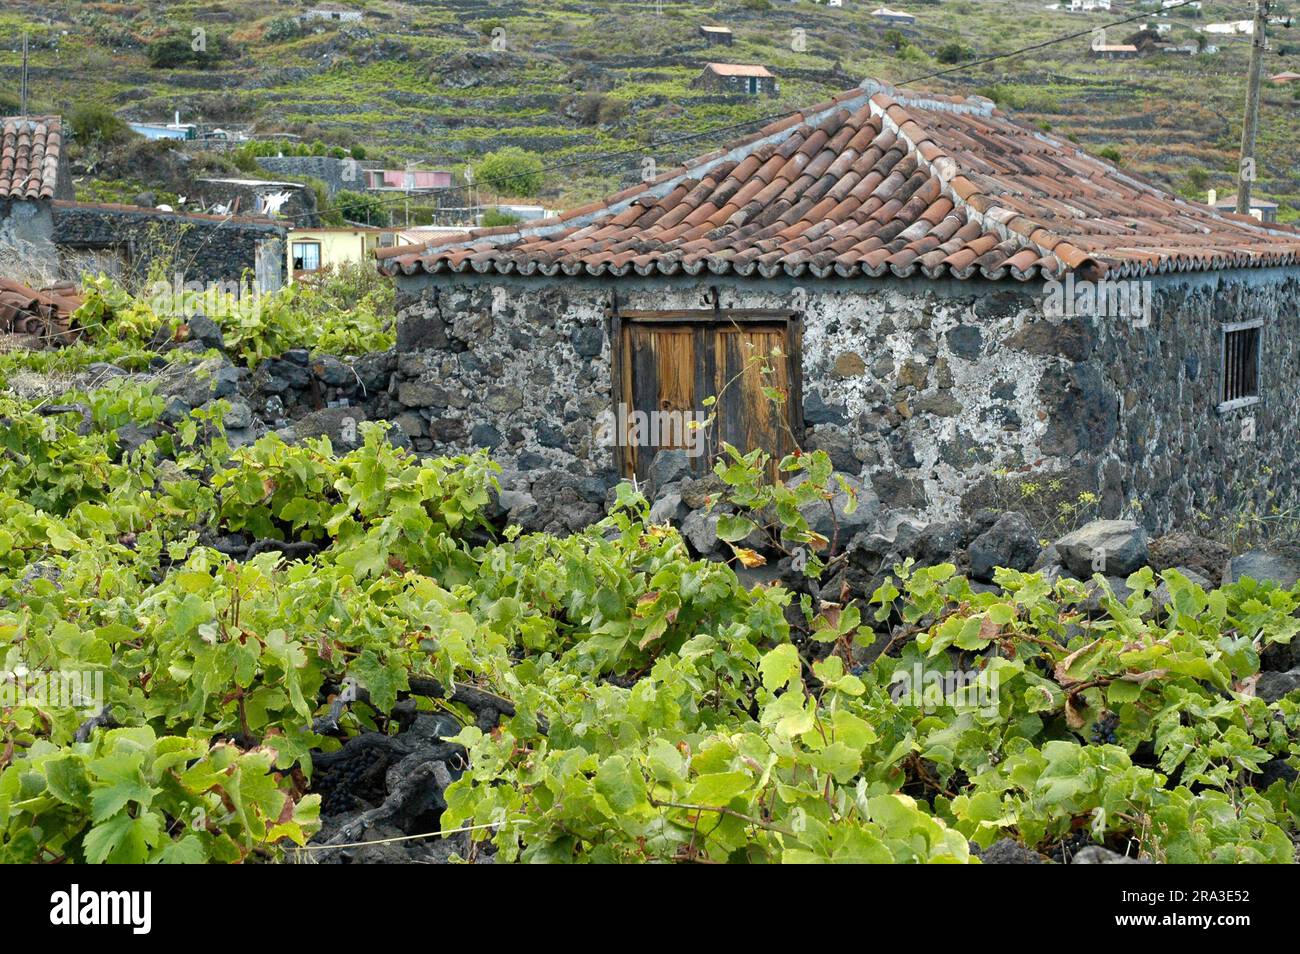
(444, 83)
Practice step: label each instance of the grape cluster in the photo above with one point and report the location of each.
(339, 787)
(1070, 845)
(1103, 730)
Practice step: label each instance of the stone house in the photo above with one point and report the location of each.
(950, 303)
(126, 240)
(329, 15)
(746, 79)
(716, 35)
(893, 16)
(1112, 51)
(33, 173)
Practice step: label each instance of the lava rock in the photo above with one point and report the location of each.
(332, 371)
(340, 424)
(1010, 542)
(239, 416)
(1110, 547)
(668, 508)
(831, 518)
(1263, 565)
(1186, 550)
(1007, 851)
(817, 411)
(485, 435)
(207, 332)
(838, 445)
(588, 341)
(701, 530)
(1272, 686)
(669, 466)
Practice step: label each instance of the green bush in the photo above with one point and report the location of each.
(360, 207)
(282, 29)
(511, 171)
(894, 39)
(97, 125)
(495, 217)
(953, 52)
(178, 50)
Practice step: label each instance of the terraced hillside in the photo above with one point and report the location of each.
(445, 82)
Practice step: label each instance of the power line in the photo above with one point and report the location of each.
(689, 137)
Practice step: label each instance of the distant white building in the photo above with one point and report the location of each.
(1194, 5)
(892, 16)
(1087, 6)
(336, 14)
(1231, 28)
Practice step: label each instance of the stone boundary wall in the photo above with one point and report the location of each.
(209, 248)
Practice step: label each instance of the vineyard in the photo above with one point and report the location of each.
(287, 653)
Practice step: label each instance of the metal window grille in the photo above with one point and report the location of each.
(1240, 364)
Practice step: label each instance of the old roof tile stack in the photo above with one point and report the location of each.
(874, 183)
(29, 157)
(43, 318)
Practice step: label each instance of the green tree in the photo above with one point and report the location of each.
(952, 52)
(362, 208)
(511, 171)
(97, 125)
(179, 50)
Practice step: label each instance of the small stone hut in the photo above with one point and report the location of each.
(948, 299)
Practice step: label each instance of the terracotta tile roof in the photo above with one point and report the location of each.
(29, 157)
(872, 184)
(737, 69)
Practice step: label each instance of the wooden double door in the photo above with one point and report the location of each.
(668, 364)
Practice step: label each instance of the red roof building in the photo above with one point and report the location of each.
(939, 293)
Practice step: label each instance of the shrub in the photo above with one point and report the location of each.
(97, 125)
(953, 52)
(360, 207)
(178, 50)
(511, 171)
(494, 217)
(282, 29)
(1111, 154)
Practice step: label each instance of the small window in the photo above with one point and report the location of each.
(306, 256)
(1240, 365)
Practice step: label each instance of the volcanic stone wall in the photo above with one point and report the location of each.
(945, 395)
(206, 248)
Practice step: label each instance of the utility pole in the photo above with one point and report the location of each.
(1246, 167)
(22, 110)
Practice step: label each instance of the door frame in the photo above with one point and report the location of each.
(791, 320)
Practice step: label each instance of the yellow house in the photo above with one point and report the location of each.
(310, 250)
